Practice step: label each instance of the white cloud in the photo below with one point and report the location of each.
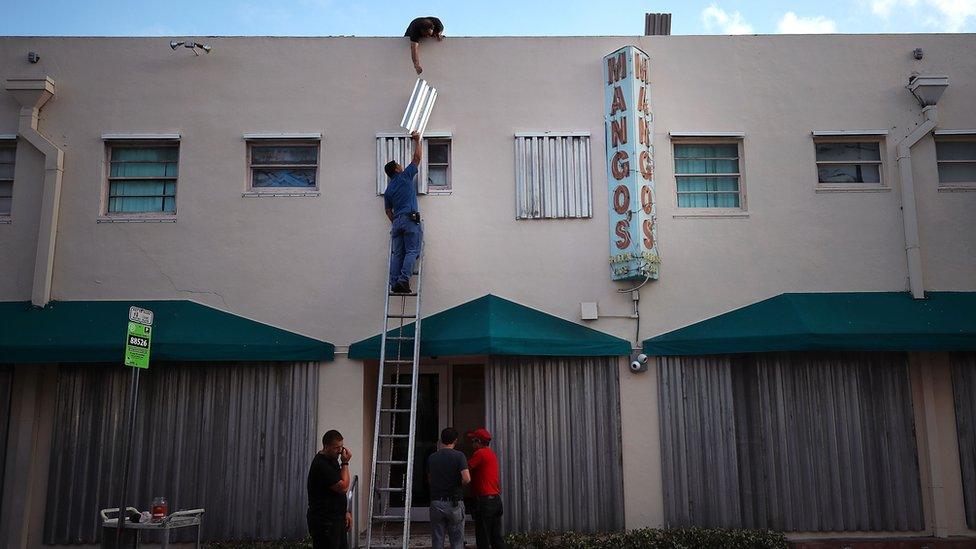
(955, 13)
(793, 24)
(715, 19)
(948, 16)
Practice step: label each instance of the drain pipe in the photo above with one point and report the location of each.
(909, 210)
(32, 94)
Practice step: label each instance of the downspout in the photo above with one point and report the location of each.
(909, 210)
(32, 94)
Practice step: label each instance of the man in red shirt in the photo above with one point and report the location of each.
(485, 488)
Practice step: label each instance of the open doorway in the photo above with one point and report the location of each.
(447, 395)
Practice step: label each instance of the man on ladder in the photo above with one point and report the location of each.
(400, 200)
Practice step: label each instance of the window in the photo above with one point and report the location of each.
(277, 165)
(552, 176)
(142, 178)
(434, 172)
(8, 149)
(849, 163)
(707, 174)
(956, 158)
(438, 157)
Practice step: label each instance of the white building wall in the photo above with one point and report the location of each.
(316, 265)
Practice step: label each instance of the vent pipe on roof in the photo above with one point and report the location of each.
(657, 24)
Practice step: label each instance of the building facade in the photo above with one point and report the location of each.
(236, 192)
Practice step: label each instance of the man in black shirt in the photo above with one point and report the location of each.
(447, 472)
(421, 28)
(328, 481)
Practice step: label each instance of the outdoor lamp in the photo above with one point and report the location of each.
(928, 89)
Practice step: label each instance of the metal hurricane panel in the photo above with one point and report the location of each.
(630, 166)
(419, 107)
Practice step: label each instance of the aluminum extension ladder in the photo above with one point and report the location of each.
(392, 389)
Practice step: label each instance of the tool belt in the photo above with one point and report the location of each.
(414, 216)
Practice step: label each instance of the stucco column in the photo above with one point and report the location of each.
(641, 436)
(33, 94)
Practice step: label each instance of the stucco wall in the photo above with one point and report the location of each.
(317, 265)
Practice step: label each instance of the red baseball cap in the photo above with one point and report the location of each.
(481, 434)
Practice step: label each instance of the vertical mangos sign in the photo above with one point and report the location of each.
(630, 166)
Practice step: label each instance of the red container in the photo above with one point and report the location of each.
(159, 509)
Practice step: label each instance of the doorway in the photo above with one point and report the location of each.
(447, 395)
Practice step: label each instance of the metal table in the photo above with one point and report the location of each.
(179, 519)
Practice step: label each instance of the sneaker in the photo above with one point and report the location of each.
(400, 288)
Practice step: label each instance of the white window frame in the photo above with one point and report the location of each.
(710, 138)
(439, 189)
(562, 191)
(954, 135)
(852, 136)
(9, 140)
(137, 140)
(383, 156)
(282, 139)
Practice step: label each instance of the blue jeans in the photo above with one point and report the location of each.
(407, 237)
(449, 516)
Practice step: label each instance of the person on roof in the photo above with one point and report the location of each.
(420, 28)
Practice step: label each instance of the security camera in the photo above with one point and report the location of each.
(639, 364)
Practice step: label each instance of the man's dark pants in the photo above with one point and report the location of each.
(488, 522)
(328, 532)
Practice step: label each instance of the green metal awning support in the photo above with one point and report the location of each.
(94, 331)
(855, 321)
(491, 325)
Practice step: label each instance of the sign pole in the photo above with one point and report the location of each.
(137, 344)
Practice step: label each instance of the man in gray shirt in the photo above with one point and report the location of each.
(447, 472)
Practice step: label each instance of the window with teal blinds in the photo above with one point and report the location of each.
(8, 151)
(707, 175)
(142, 179)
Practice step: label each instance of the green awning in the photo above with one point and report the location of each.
(491, 325)
(94, 331)
(862, 321)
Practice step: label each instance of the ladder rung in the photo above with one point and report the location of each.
(395, 338)
(398, 361)
(389, 517)
(395, 410)
(401, 316)
(409, 294)
(398, 385)
(389, 462)
(390, 489)
(393, 436)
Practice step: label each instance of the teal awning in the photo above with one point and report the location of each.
(94, 331)
(861, 321)
(491, 325)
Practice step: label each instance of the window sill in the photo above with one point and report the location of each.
(958, 188)
(852, 189)
(718, 213)
(439, 192)
(5, 220)
(280, 194)
(133, 219)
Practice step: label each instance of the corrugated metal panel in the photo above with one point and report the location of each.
(552, 176)
(419, 107)
(6, 384)
(400, 149)
(657, 24)
(236, 439)
(964, 393)
(556, 423)
(790, 442)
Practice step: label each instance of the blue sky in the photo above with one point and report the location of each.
(470, 18)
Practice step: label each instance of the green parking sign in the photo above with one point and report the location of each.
(138, 338)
